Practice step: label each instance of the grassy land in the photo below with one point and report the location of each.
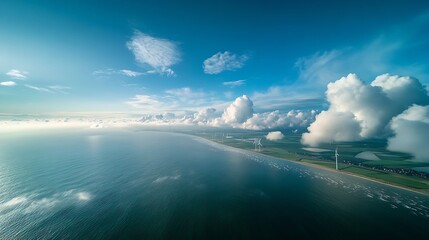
(385, 177)
(290, 148)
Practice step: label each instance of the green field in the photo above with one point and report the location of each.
(290, 148)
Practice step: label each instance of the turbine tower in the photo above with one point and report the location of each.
(336, 158)
(258, 144)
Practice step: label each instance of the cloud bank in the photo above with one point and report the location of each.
(158, 53)
(239, 114)
(360, 111)
(277, 119)
(225, 61)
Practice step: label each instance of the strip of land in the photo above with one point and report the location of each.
(411, 183)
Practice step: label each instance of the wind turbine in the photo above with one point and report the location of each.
(258, 144)
(336, 158)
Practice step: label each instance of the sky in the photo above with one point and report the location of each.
(152, 57)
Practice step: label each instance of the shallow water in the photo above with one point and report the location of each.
(105, 184)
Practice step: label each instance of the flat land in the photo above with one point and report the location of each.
(290, 148)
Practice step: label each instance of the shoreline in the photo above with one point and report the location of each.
(319, 167)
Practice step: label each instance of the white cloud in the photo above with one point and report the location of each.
(239, 114)
(203, 116)
(332, 126)
(40, 89)
(239, 111)
(224, 62)
(411, 132)
(276, 119)
(166, 117)
(186, 97)
(360, 111)
(384, 53)
(234, 83)
(59, 89)
(179, 100)
(50, 89)
(130, 73)
(160, 54)
(17, 74)
(124, 72)
(185, 93)
(8, 83)
(274, 136)
(147, 102)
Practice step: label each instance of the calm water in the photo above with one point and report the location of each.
(102, 184)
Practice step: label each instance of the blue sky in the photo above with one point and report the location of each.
(159, 56)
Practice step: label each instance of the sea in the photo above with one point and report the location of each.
(133, 184)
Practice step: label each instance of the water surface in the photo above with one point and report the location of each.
(105, 184)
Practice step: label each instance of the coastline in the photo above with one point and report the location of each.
(320, 167)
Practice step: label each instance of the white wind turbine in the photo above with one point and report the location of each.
(336, 158)
(258, 144)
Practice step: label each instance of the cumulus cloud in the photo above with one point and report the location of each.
(8, 83)
(274, 136)
(17, 74)
(239, 111)
(411, 132)
(166, 117)
(158, 53)
(332, 126)
(234, 83)
(225, 61)
(203, 116)
(359, 111)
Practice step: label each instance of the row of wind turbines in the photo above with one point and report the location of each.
(258, 146)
